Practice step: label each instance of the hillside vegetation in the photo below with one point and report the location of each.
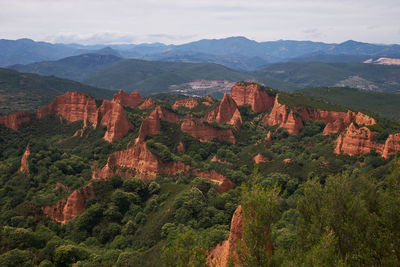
(154, 77)
(318, 74)
(75, 68)
(384, 103)
(26, 92)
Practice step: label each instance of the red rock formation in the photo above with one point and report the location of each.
(151, 124)
(216, 159)
(180, 148)
(356, 141)
(75, 106)
(72, 106)
(111, 115)
(224, 184)
(291, 119)
(15, 120)
(138, 161)
(147, 104)
(189, 103)
(252, 94)
(260, 159)
(335, 121)
(62, 187)
(133, 100)
(24, 161)
(268, 138)
(219, 255)
(392, 145)
(284, 117)
(226, 112)
(207, 133)
(69, 208)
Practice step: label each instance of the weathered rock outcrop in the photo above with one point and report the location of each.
(259, 158)
(356, 141)
(224, 184)
(72, 106)
(151, 124)
(207, 133)
(147, 104)
(15, 120)
(189, 103)
(252, 94)
(284, 117)
(75, 106)
(226, 112)
(292, 119)
(218, 256)
(133, 99)
(111, 115)
(69, 208)
(392, 145)
(24, 161)
(180, 148)
(138, 161)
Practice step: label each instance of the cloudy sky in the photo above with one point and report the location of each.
(179, 21)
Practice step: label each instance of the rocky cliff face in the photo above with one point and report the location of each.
(292, 119)
(224, 184)
(226, 112)
(260, 159)
(15, 120)
(147, 104)
(356, 141)
(392, 145)
(75, 106)
(72, 106)
(207, 133)
(133, 100)
(24, 161)
(218, 256)
(151, 124)
(284, 117)
(69, 208)
(252, 94)
(189, 103)
(137, 161)
(111, 115)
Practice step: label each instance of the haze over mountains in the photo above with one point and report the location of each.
(237, 53)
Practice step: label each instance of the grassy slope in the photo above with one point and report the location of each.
(26, 92)
(153, 77)
(383, 103)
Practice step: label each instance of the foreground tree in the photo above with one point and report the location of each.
(260, 207)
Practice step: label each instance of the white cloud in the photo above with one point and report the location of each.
(178, 21)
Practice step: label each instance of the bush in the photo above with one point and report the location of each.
(68, 254)
(16, 258)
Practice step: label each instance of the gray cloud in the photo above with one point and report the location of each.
(178, 21)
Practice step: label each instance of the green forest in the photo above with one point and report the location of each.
(305, 206)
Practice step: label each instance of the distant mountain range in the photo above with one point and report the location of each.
(237, 53)
(149, 77)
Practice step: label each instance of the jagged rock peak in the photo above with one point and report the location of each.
(133, 99)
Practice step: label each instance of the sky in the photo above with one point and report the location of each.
(178, 21)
